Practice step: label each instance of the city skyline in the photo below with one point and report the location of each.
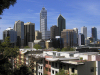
(77, 14)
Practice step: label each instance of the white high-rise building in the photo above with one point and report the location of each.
(84, 31)
(43, 24)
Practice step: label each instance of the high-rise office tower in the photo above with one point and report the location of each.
(94, 33)
(19, 27)
(81, 39)
(84, 31)
(29, 33)
(61, 23)
(57, 42)
(76, 29)
(9, 32)
(38, 35)
(54, 31)
(43, 24)
(70, 37)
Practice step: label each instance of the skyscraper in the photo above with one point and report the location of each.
(76, 29)
(29, 33)
(94, 33)
(84, 31)
(54, 31)
(9, 32)
(81, 39)
(70, 37)
(61, 23)
(19, 27)
(38, 35)
(43, 24)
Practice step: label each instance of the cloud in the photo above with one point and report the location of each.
(30, 10)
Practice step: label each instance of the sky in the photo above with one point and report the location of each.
(78, 13)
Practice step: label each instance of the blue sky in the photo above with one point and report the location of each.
(77, 13)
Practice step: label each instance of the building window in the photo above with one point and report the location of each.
(56, 72)
(33, 70)
(56, 65)
(41, 73)
(73, 70)
(52, 64)
(92, 69)
(52, 71)
(41, 67)
(71, 55)
(49, 70)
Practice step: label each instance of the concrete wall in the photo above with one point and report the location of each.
(86, 68)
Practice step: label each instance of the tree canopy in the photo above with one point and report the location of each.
(68, 49)
(26, 47)
(23, 70)
(7, 52)
(5, 4)
(37, 46)
(61, 72)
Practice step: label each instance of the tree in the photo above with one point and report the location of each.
(37, 46)
(7, 49)
(61, 72)
(74, 74)
(26, 47)
(5, 4)
(68, 49)
(23, 70)
(7, 53)
(58, 49)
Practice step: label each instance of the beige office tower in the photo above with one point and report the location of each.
(70, 37)
(38, 35)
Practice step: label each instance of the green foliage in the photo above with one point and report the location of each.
(23, 70)
(68, 49)
(74, 74)
(37, 46)
(26, 47)
(61, 72)
(54, 50)
(6, 42)
(5, 4)
(7, 52)
(5, 67)
(11, 52)
(81, 58)
(58, 49)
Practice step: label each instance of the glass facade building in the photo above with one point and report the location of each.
(84, 31)
(81, 39)
(94, 33)
(61, 23)
(43, 24)
(9, 32)
(70, 37)
(54, 31)
(29, 33)
(19, 28)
